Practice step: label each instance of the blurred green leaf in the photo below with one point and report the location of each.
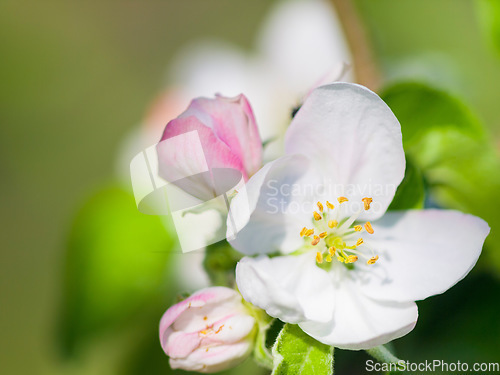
(116, 266)
(296, 353)
(459, 165)
(469, 333)
(220, 263)
(489, 13)
(420, 108)
(411, 192)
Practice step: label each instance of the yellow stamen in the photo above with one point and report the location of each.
(351, 259)
(309, 232)
(322, 235)
(372, 260)
(340, 259)
(359, 242)
(331, 250)
(333, 223)
(329, 205)
(303, 232)
(316, 216)
(329, 258)
(358, 228)
(342, 199)
(320, 206)
(315, 241)
(368, 227)
(319, 257)
(367, 201)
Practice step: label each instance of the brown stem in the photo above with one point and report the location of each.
(364, 64)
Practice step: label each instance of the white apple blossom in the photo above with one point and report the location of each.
(347, 271)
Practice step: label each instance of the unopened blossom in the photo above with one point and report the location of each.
(208, 332)
(211, 135)
(299, 45)
(348, 271)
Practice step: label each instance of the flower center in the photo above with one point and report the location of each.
(339, 239)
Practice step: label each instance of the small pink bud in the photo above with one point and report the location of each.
(208, 332)
(212, 134)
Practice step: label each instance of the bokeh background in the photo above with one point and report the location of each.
(84, 277)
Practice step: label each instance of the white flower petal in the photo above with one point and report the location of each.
(355, 139)
(422, 253)
(215, 359)
(291, 288)
(302, 40)
(266, 215)
(361, 323)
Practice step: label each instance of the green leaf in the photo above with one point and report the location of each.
(296, 353)
(489, 14)
(116, 266)
(447, 144)
(411, 192)
(464, 174)
(420, 108)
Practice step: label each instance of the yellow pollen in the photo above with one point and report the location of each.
(372, 260)
(333, 223)
(319, 257)
(329, 205)
(329, 258)
(351, 259)
(303, 232)
(206, 331)
(340, 259)
(315, 241)
(368, 227)
(309, 232)
(359, 242)
(342, 200)
(367, 202)
(331, 250)
(322, 235)
(320, 206)
(316, 216)
(358, 228)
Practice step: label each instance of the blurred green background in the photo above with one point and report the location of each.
(76, 77)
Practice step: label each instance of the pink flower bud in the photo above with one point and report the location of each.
(212, 134)
(208, 332)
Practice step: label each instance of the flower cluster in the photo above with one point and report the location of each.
(343, 267)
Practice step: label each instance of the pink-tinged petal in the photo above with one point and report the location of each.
(213, 295)
(233, 122)
(192, 331)
(362, 323)
(214, 359)
(229, 330)
(197, 318)
(188, 152)
(422, 253)
(282, 286)
(355, 140)
(181, 344)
